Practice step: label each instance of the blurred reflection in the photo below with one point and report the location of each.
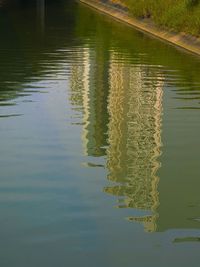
(122, 112)
(89, 83)
(119, 85)
(135, 110)
(41, 14)
(116, 78)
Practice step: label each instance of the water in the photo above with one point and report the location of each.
(99, 142)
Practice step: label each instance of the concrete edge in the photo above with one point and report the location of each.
(185, 41)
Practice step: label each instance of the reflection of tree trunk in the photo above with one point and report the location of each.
(41, 14)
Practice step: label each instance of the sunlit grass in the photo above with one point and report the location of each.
(178, 15)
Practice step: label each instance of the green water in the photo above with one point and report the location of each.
(99, 142)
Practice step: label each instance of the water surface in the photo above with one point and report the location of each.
(99, 141)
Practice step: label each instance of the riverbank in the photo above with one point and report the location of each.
(183, 40)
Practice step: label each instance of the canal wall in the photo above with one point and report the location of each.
(120, 13)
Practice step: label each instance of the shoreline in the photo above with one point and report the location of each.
(181, 40)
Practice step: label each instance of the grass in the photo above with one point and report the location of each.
(177, 15)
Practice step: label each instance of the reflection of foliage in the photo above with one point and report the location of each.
(24, 47)
(91, 26)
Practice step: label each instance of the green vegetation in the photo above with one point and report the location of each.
(90, 27)
(178, 15)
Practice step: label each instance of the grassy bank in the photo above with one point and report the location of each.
(177, 15)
